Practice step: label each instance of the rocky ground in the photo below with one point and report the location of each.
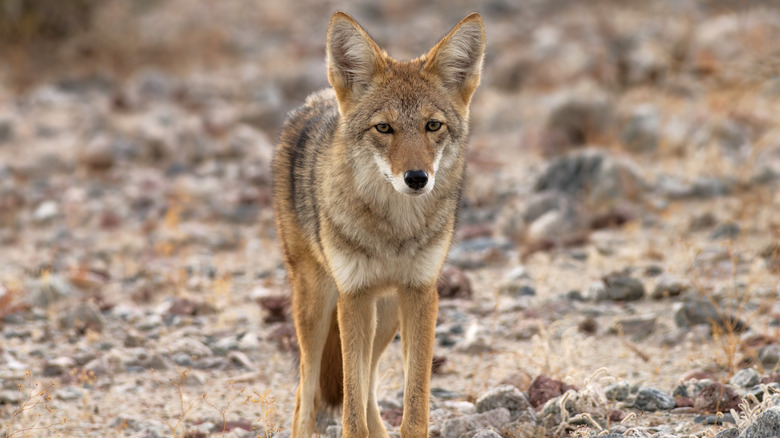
(615, 271)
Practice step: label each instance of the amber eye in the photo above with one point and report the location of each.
(384, 128)
(433, 125)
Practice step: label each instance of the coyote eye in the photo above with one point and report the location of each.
(433, 125)
(384, 128)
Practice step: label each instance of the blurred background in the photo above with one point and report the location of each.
(637, 139)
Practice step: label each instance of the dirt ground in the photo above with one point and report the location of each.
(141, 285)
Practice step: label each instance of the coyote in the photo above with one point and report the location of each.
(367, 178)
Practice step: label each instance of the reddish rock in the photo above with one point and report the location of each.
(544, 388)
(453, 283)
(771, 378)
(615, 415)
(717, 397)
(276, 306)
(683, 402)
(393, 416)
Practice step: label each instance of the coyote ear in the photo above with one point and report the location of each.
(353, 57)
(457, 58)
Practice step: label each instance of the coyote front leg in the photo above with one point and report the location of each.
(418, 308)
(357, 322)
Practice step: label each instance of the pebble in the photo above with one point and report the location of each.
(639, 133)
(728, 433)
(623, 288)
(651, 399)
(83, 317)
(455, 427)
(476, 340)
(618, 391)
(544, 388)
(505, 396)
(638, 327)
(668, 286)
(98, 153)
(453, 283)
(46, 211)
(486, 433)
(745, 378)
(68, 393)
(728, 230)
(767, 424)
(716, 397)
(702, 312)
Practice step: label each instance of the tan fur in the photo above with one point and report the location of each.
(363, 248)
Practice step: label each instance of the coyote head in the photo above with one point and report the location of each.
(408, 120)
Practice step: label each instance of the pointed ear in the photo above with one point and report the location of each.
(353, 57)
(457, 58)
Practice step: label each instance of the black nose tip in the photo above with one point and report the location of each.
(416, 179)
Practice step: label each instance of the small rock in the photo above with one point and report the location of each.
(668, 286)
(46, 211)
(596, 291)
(651, 399)
(696, 311)
(767, 424)
(594, 175)
(98, 154)
(68, 393)
(82, 317)
(717, 397)
(623, 288)
(476, 340)
(577, 121)
(453, 283)
(58, 366)
(455, 427)
(702, 221)
(728, 433)
(544, 388)
(745, 378)
(638, 327)
(714, 419)
(639, 133)
(486, 433)
(769, 355)
(506, 396)
(618, 391)
(6, 130)
(728, 230)
(190, 347)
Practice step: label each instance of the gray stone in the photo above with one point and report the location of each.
(766, 425)
(699, 311)
(596, 291)
(486, 433)
(6, 130)
(69, 393)
(769, 355)
(593, 175)
(668, 286)
(455, 427)
(506, 396)
(728, 230)
(82, 317)
(640, 130)
(618, 391)
(710, 187)
(651, 399)
(46, 211)
(745, 378)
(623, 288)
(638, 327)
(576, 121)
(728, 433)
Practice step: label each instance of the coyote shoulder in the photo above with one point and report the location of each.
(367, 178)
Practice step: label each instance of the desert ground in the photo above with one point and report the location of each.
(615, 271)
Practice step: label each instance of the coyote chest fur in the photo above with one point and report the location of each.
(367, 178)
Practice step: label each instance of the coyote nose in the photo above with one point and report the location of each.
(416, 179)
